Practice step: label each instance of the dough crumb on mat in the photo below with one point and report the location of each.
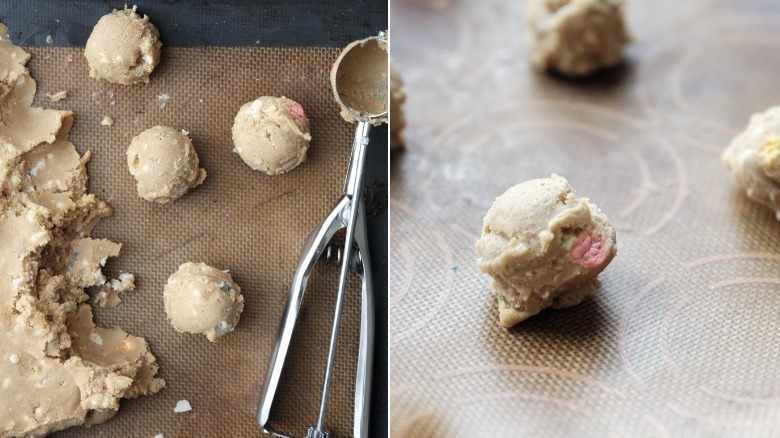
(107, 121)
(271, 134)
(754, 158)
(58, 96)
(576, 37)
(123, 48)
(544, 247)
(202, 299)
(62, 370)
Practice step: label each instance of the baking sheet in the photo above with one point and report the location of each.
(682, 338)
(241, 220)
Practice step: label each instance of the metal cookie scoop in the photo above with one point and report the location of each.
(360, 84)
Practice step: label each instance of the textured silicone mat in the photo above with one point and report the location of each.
(682, 339)
(241, 220)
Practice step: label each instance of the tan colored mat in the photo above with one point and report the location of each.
(682, 339)
(241, 220)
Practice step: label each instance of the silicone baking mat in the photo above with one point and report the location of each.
(682, 339)
(239, 219)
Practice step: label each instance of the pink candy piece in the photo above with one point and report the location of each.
(297, 110)
(588, 250)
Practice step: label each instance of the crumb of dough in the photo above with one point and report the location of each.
(543, 246)
(397, 99)
(754, 158)
(164, 164)
(58, 96)
(271, 134)
(61, 367)
(159, 435)
(49, 40)
(163, 98)
(123, 48)
(107, 121)
(576, 37)
(203, 300)
(182, 406)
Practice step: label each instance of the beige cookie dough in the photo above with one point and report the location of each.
(544, 247)
(359, 81)
(57, 368)
(271, 134)
(754, 158)
(164, 164)
(123, 48)
(397, 99)
(576, 37)
(203, 300)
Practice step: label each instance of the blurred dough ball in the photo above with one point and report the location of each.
(164, 164)
(271, 134)
(397, 99)
(202, 299)
(123, 48)
(576, 37)
(754, 158)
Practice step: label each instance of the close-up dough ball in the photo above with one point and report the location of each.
(123, 48)
(544, 247)
(202, 299)
(271, 134)
(754, 158)
(164, 164)
(576, 37)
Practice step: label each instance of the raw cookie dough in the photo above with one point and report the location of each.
(57, 369)
(754, 158)
(543, 247)
(164, 164)
(123, 48)
(397, 99)
(359, 81)
(203, 299)
(576, 37)
(271, 134)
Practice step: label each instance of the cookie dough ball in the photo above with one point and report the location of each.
(164, 164)
(576, 37)
(202, 299)
(397, 99)
(123, 48)
(271, 134)
(544, 247)
(754, 158)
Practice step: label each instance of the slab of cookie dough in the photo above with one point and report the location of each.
(544, 247)
(54, 372)
(164, 164)
(576, 37)
(202, 299)
(271, 134)
(397, 99)
(123, 48)
(754, 158)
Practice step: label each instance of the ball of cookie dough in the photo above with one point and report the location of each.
(576, 37)
(123, 48)
(754, 158)
(544, 247)
(397, 99)
(164, 164)
(271, 134)
(204, 300)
